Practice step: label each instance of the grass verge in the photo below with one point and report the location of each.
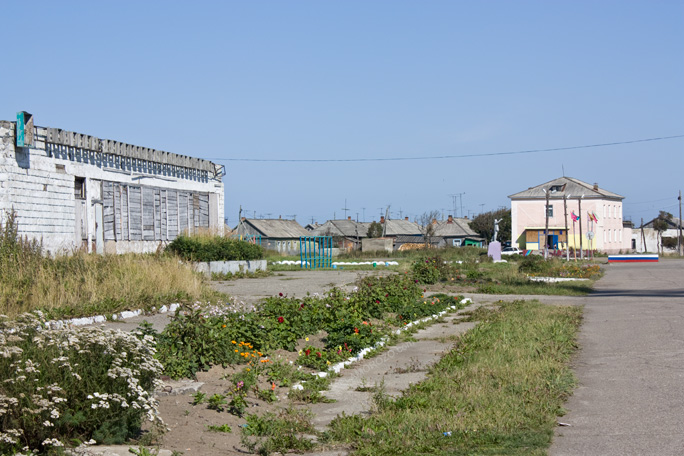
(498, 392)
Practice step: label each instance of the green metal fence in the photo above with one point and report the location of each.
(315, 251)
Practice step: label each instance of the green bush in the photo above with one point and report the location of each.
(431, 270)
(534, 264)
(376, 296)
(422, 308)
(352, 335)
(63, 386)
(215, 248)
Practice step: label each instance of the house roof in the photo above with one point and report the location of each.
(403, 239)
(672, 223)
(566, 186)
(277, 228)
(455, 227)
(343, 227)
(401, 227)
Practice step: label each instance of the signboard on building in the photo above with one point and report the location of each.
(24, 135)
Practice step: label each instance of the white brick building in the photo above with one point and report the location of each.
(76, 191)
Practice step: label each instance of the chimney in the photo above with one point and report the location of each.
(434, 221)
(243, 218)
(451, 219)
(382, 219)
(465, 217)
(349, 217)
(595, 187)
(406, 218)
(280, 217)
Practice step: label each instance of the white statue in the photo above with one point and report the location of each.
(496, 229)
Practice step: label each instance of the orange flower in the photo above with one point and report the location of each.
(273, 386)
(356, 330)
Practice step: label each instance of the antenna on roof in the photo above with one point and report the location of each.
(563, 168)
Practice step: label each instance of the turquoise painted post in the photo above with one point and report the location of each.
(20, 129)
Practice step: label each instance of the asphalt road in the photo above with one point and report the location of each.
(630, 398)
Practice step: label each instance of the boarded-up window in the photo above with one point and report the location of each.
(151, 213)
(135, 211)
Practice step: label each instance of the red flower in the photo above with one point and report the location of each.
(377, 301)
(356, 330)
(318, 354)
(280, 294)
(281, 319)
(307, 352)
(387, 295)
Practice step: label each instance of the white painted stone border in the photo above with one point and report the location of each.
(341, 263)
(83, 321)
(336, 368)
(554, 279)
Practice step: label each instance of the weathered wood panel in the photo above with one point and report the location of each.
(135, 210)
(182, 212)
(172, 213)
(148, 213)
(108, 210)
(164, 216)
(204, 210)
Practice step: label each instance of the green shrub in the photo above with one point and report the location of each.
(534, 264)
(319, 359)
(351, 335)
(72, 385)
(216, 248)
(431, 270)
(375, 296)
(422, 308)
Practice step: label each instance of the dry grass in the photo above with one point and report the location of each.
(83, 284)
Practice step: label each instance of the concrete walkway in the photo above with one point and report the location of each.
(395, 369)
(630, 399)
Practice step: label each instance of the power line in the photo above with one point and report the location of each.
(443, 157)
(652, 201)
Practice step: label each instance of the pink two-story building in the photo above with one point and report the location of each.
(597, 226)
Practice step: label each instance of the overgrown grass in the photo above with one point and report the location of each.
(498, 392)
(86, 284)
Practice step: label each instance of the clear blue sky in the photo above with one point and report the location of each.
(367, 79)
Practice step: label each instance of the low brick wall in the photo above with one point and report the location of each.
(225, 267)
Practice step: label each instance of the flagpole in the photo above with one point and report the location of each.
(574, 239)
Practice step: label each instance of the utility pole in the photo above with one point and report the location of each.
(481, 208)
(567, 236)
(679, 238)
(384, 225)
(345, 209)
(460, 199)
(643, 237)
(580, 224)
(546, 228)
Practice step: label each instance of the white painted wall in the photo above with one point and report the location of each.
(40, 188)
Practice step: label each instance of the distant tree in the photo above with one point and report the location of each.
(661, 224)
(483, 224)
(374, 230)
(427, 228)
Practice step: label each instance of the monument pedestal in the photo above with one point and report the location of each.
(494, 250)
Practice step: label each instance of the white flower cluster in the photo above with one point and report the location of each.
(42, 373)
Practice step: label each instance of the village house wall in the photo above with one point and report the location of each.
(609, 234)
(76, 191)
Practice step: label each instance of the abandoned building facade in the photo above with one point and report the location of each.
(75, 191)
